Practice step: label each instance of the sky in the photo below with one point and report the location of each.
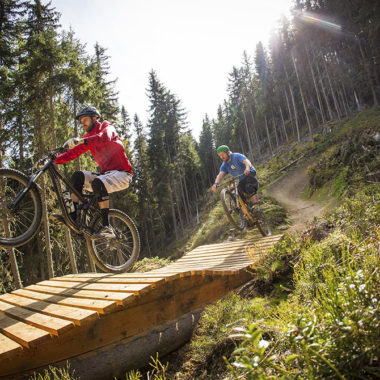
(192, 45)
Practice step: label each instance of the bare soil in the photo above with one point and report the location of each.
(288, 191)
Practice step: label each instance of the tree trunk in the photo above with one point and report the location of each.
(275, 130)
(11, 251)
(250, 150)
(76, 132)
(255, 132)
(146, 236)
(52, 126)
(346, 101)
(324, 92)
(357, 101)
(332, 89)
(172, 210)
(268, 136)
(316, 88)
(368, 73)
(295, 112)
(290, 112)
(69, 245)
(302, 98)
(184, 192)
(45, 222)
(283, 124)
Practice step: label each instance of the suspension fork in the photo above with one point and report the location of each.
(32, 179)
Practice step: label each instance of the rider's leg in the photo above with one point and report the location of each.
(103, 185)
(78, 180)
(102, 195)
(251, 187)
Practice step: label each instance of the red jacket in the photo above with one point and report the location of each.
(106, 147)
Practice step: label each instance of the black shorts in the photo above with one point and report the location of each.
(248, 185)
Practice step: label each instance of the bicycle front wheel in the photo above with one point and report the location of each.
(231, 208)
(115, 255)
(18, 224)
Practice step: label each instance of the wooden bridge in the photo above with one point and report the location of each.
(105, 324)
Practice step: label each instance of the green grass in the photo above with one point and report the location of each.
(319, 317)
(313, 310)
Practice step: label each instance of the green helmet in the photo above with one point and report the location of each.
(223, 148)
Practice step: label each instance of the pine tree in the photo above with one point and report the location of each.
(102, 93)
(207, 151)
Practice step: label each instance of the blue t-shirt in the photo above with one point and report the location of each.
(235, 167)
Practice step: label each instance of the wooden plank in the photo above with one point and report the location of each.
(149, 274)
(153, 281)
(192, 255)
(179, 273)
(101, 306)
(125, 288)
(53, 325)
(241, 243)
(8, 347)
(74, 314)
(22, 333)
(232, 249)
(119, 298)
(210, 260)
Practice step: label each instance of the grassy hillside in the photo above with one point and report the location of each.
(312, 311)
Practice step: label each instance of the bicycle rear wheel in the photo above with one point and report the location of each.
(115, 255)
(19, 224)
(231, 208)
(261, 222)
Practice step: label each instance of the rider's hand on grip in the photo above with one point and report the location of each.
(71, 143)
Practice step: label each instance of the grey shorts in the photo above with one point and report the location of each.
(114, 180)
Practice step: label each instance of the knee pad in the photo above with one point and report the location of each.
(77, 179)
(100, 190)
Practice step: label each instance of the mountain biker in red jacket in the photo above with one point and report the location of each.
(107, 149)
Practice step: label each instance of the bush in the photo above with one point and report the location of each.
(330, 326)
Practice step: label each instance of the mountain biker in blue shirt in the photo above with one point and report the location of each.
(238, 165)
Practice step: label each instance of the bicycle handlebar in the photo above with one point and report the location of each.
(50, 155)
(231, 180)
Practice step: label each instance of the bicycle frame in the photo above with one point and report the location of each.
(243, 206)
(56, 176)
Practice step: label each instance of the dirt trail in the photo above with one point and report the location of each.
(288, 191)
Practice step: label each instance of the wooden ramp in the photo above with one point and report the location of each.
(86, 315)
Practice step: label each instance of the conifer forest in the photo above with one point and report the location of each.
(320, 66)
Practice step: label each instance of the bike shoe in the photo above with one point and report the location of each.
(105, 232)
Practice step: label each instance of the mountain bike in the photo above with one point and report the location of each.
(21, 216)
(239, 214)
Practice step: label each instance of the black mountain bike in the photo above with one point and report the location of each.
(239, 214)
(21, 215)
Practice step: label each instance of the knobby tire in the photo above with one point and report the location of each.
(119, 254)
(18, 226)
(230, 206)
(261, 222)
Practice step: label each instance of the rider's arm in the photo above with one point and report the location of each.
(71, 154)
(248, 165)
(218, 179)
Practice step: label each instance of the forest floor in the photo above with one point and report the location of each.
(289, 190)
